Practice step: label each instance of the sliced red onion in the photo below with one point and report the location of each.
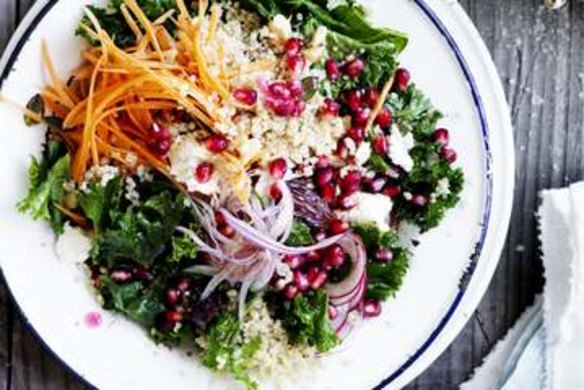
(353, 246)
(263, 241)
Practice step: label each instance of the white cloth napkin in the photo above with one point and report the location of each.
(545, 349)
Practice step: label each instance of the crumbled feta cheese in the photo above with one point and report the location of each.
(72, 245)
(399, 148)
(363, 153)
(371, 208)
(186, 154)
(442, 187)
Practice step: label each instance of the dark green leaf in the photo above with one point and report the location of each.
(46, 180)
(99, 200)
(306, 321)
(183, 248)
(131, 299)
(384, 279)
(300, 234)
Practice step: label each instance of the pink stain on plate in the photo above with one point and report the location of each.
(92, 319)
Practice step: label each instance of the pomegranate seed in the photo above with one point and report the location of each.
(441, 136)
(295, 88)
(319, 281)
(419, 200)
(217, 143)
(332, 312)
(320, 235)
(377, 185)
(296, 63)
(354, 68)
(312, 273)
(332, 69)
(370, 97)
(278, 168)
(162, 147)
(338, 226)
(172, 297)
(204, 171)
(279, 90)
(298, 108)
(246, 96)
(173, 316)
(323, 176)
(351, 182)
(330, 108)
(392, 191)
(334, 256)
(160, 133)
(313, 256)
(120, 276)
(449, 155)
(361, 116)
(379, 144)
(294, 261)
(346, 202)
(290, 292)
(226, 230)
(356, 133)
(384, 118)
(383, 255)
(372, 308)
(142, 273)
(275, 192)
(293, 47)
(323, 162)
(220, 218)
(301, 281)
(184, 284)
(353, 99)
(328, 192)
(402, 79)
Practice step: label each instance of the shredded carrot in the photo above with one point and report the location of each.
(378, 105)
(133, 6)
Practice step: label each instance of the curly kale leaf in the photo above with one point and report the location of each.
(306, 321)
(384, 279)
(132, 299)
(225, 350)
(300, 234)
(113, 22)
(46, 180)
(142, 232)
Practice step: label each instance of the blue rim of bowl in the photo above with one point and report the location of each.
(466, 277)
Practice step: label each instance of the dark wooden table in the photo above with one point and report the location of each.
(540, 57)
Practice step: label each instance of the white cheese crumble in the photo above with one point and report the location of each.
(72, 245)
(185, 156)
(442, 190)
(399, 148)
(370, 208)
(363, 153)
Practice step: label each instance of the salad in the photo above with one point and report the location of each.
(242, 172)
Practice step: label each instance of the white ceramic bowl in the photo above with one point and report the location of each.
(449, 273)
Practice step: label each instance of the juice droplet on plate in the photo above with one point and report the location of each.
(93, 319)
